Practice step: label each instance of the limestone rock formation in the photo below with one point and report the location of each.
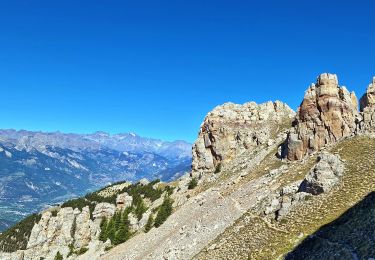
(86, 230)
(104, 209)
(324, 175)
(57, 233)
(368, 99)
(123, 201)
(231, 129)
(327, 114)
(366, 122)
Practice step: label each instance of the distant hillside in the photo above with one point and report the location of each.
(40, 169)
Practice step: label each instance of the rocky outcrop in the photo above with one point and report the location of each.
(324, 175)
(85, 229)
(368, 99)
(123, 201)
(231, 129)
(327, 114)
(51, 235)
(58, 233)
(366, 121)
(104, 210)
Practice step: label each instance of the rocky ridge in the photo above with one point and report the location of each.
(76, 231)
(231, 129)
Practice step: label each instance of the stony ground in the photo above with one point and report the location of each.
(206, 215)
(252, 237)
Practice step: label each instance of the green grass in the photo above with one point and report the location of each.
(251, 238)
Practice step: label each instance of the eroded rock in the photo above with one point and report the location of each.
(324, 175)
(327, 114)
(231, 129)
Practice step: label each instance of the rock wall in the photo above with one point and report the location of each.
(327, 113)
(56, 233)
(231, 129)
(366, 122)
(368, 99)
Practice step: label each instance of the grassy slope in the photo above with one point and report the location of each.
(253, 238)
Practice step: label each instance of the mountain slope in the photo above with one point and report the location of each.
(41, 169)
(266, 183)
(349, 236)
(252, 237)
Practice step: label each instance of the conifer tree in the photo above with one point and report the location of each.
(150, 223)
(164, 212)
(111, 231)
(103, 230)
(117, 218)
(140, 209)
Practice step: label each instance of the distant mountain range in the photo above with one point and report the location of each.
(38, 169)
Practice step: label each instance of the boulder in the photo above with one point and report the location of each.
(324, 175)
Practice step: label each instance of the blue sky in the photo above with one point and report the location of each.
(157, 67)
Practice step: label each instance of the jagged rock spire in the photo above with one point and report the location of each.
(326, 114)
(368, 99)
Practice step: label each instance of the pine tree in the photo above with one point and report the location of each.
(164, 212)
(103, 230)
(117, 218)
(140, 209)
(111, 231)
(150, 223)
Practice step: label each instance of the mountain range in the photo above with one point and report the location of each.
(41, 169)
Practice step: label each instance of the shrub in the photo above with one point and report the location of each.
(58, 256)
(193, 183)
(82, 250)
(218, 168)
(54, 213)
(169, 190)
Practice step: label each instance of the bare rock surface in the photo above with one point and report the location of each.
(123, 201)
(324, 175)
(201, 218)
(326, 115)
(231, 129)
(104, 210)
(366, 121)
(368, 99)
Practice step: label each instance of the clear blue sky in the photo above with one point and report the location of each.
(157, 67)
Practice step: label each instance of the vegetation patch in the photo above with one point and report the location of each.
(16, 237)
(192, 183)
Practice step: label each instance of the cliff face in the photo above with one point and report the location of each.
(368, 99)
(78, 231)
(327, 114)
(231, 129)
(367, 104)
